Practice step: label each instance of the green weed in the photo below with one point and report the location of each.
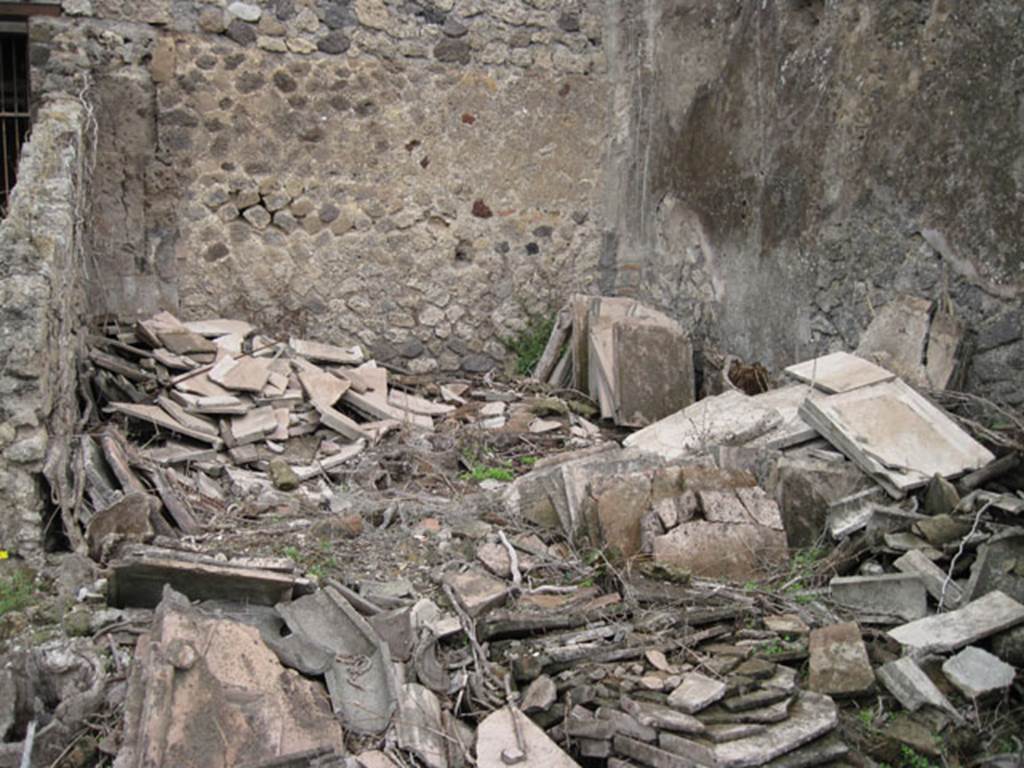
(17, 592)
(480, 472)
(529, 345)
(909, 758)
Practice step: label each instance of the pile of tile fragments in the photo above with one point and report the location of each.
(714, 590)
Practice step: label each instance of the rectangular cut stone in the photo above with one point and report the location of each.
(158, 417)
(328, 353)
(839, 661)
(839, 372)
(722, 550)
(891, 595)
(650, 755)
(653, 370)
(947, 593)
(948, 631)
(696, 692)
(895, 435)
(977, 673)
(911, 687)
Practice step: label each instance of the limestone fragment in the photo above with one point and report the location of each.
(977, 673)
(839, 661)
(974, 621)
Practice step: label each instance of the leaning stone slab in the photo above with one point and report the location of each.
(839, 661)
(891, 595)
(948, 631)
(911, 687)
(977, 673)
(497, 733)
(948, 594)
(812, 716)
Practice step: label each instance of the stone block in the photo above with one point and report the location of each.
(889, 595)
(620, 509)
(999, 565)
(911, 687)
(988, 615)
(804, 488)
(839, 661)
(977, 673)
(477, 592)
(722, 550)
(696, 692)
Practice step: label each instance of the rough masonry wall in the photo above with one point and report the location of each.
(41, 311)
(809, 160)
(421, 177)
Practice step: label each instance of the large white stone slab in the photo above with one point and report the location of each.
(948, 631)
(895, 435)
(839, 372)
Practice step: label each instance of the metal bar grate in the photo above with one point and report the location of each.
(15, 115)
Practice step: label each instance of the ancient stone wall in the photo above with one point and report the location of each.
(420, 177)
(809, 159)
(41, 312)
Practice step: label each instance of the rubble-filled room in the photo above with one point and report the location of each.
(495, 383)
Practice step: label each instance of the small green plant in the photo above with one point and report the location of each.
(909, 758)
(17, 591)
(866, 717)
(528, 461)
(773, 648)
(292, 553)
(480, 472)
(750, 586)
(529, 345)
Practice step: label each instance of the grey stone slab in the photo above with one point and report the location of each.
(696, 692)
(977, 673)
(653, 370)
(895, 435)
(497, 733)
(978, 619)
(731, 418)
(812, 716)
(839, 661)
(911, 687)
(891, 594)
(947, 593)
(664, 718)
(418, 725)
(853, 513)
(999, 565)
(839, 372)
(650, 755)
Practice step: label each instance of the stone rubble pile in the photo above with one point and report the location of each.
(714, 590)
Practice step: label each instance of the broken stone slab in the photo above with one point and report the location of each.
(156, 416)
(793, 430)
(254, 426)
(911, 687)
(738, 552)
(653, 373)
(319, 385)
(539, 695)
(216, 327)
(173, 452)
(244, 374)
(941, 497)
(898, 595)
(219, 405)
(999, 565)
(825, 750)
(767, 714)
(340, 423)
(476, 591)
(648, 754)
(853, 513)
(182, 416)
(418, 727)
(946, 591)
(627, 724)
(804, 488)
(660, 717)
(361, 680)
(140, 582)
(727, 419)
(812, 716)
(328, 353)
(839, 372)
(497, 733)
(839, 661)
(378, 408)
(976, 620)
(696, 692)
(976, 673)
(905, 333)
(895, 435)
(418, 405)
(208, 692)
